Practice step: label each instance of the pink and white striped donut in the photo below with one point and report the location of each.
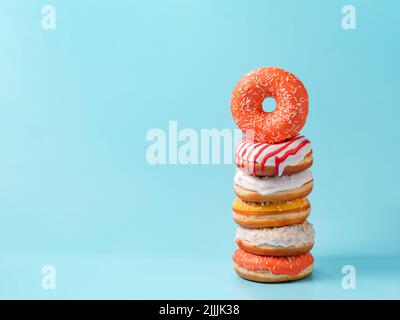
(263, 159)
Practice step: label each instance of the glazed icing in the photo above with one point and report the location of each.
(276, 265)
(240, 205)
(270, 185)
(288, 236)
(281, 155)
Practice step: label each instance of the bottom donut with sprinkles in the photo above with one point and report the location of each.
(272, 269)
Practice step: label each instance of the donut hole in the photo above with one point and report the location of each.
(269, 104)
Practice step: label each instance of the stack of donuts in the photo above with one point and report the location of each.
(273, 181)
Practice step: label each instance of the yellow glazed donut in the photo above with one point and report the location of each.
(270, 214)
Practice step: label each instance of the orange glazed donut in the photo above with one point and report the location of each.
(272, 269)
(290, 113)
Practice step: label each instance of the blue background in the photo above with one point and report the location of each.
(76, 104)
